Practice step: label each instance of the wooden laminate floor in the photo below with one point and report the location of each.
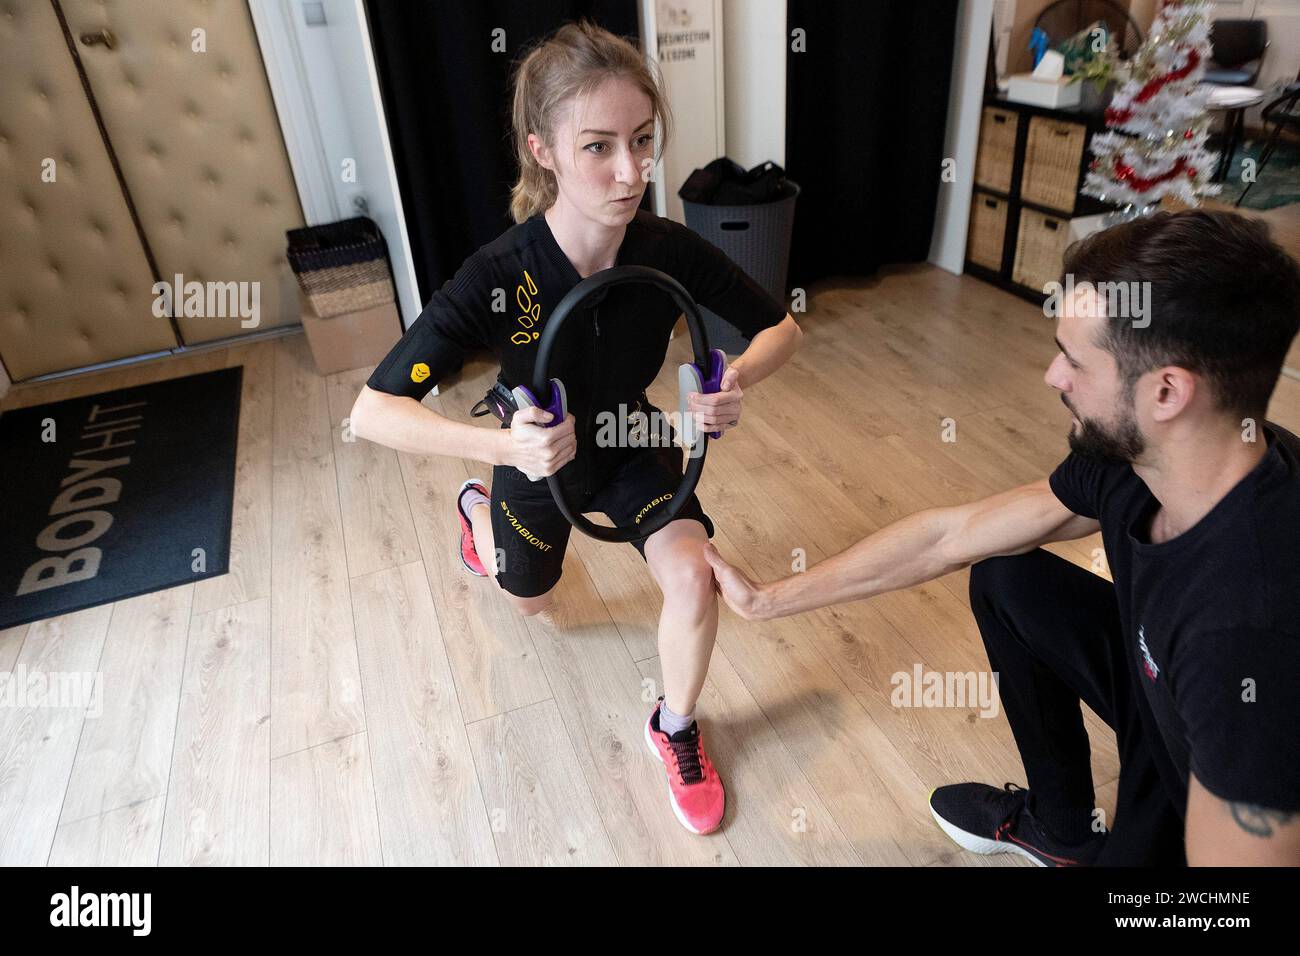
(347, 694)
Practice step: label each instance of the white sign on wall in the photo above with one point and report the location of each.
(687, 38)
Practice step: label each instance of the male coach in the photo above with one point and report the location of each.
(1192, 656)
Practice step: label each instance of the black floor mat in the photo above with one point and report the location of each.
(117, 494)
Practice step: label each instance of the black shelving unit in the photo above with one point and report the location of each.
(1092, 121)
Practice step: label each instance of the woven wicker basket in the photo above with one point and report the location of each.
(988, 230)
(341, 266)
(1053, 152)
(997, 148)
(1040, 249)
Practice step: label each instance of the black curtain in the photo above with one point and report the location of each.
(447, 99)
(866, 109)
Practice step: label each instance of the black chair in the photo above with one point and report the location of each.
(1282, 112)
(1065, 18)
(1238, 52)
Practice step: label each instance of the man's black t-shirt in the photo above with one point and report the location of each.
(1212, 618)
(503, 294)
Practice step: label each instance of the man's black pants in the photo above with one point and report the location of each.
(1052, 632)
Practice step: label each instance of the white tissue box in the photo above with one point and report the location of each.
(1055, 94)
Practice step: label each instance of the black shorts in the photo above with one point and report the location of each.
(531, 534)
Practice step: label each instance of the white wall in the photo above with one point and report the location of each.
(755, 40)
(685, 37)
(965, 103)
(369, 144)
(326, 92)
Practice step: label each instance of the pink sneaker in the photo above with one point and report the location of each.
(468, 555)
(694, 787)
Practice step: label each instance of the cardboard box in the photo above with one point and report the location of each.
(351, 339)
(1055, 94)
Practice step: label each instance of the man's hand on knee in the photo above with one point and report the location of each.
(741, 594)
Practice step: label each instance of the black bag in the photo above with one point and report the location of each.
(726, 183)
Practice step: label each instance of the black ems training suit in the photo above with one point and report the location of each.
(606, 357)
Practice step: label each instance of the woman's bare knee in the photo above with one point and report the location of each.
(689, 582)
(681, 570)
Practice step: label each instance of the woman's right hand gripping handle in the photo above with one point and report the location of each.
(536, 450)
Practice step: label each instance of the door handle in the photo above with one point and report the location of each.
(104, 36)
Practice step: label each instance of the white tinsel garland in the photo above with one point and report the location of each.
(1169, 128)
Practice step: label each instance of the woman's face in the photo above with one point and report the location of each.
(604, 151)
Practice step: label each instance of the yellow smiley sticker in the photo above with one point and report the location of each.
(419, 372)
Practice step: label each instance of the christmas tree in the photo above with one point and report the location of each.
(1162, 109)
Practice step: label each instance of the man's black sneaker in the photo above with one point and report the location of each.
(984, 819)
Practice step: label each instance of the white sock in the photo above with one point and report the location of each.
(471, 498)
(671, 723)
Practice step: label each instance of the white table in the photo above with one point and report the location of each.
(1232, 101)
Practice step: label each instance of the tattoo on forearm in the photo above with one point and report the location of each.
(1256, 820)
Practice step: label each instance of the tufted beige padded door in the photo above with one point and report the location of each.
(202, 187)
(199, 144)
(74, 280)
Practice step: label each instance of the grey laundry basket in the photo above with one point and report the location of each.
(756, 238)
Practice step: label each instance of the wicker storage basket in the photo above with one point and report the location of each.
(1040, 249)
(997, 148)
(1053, 152)
(341, 266)
(988, 231)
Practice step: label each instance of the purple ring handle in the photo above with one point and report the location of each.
(555, 406)
(713, 380)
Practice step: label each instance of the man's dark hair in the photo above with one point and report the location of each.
(1224, 300)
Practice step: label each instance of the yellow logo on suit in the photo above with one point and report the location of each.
(530, 311)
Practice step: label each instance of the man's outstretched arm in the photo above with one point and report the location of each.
(912, 550)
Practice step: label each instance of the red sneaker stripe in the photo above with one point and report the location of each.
(1064, 860)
